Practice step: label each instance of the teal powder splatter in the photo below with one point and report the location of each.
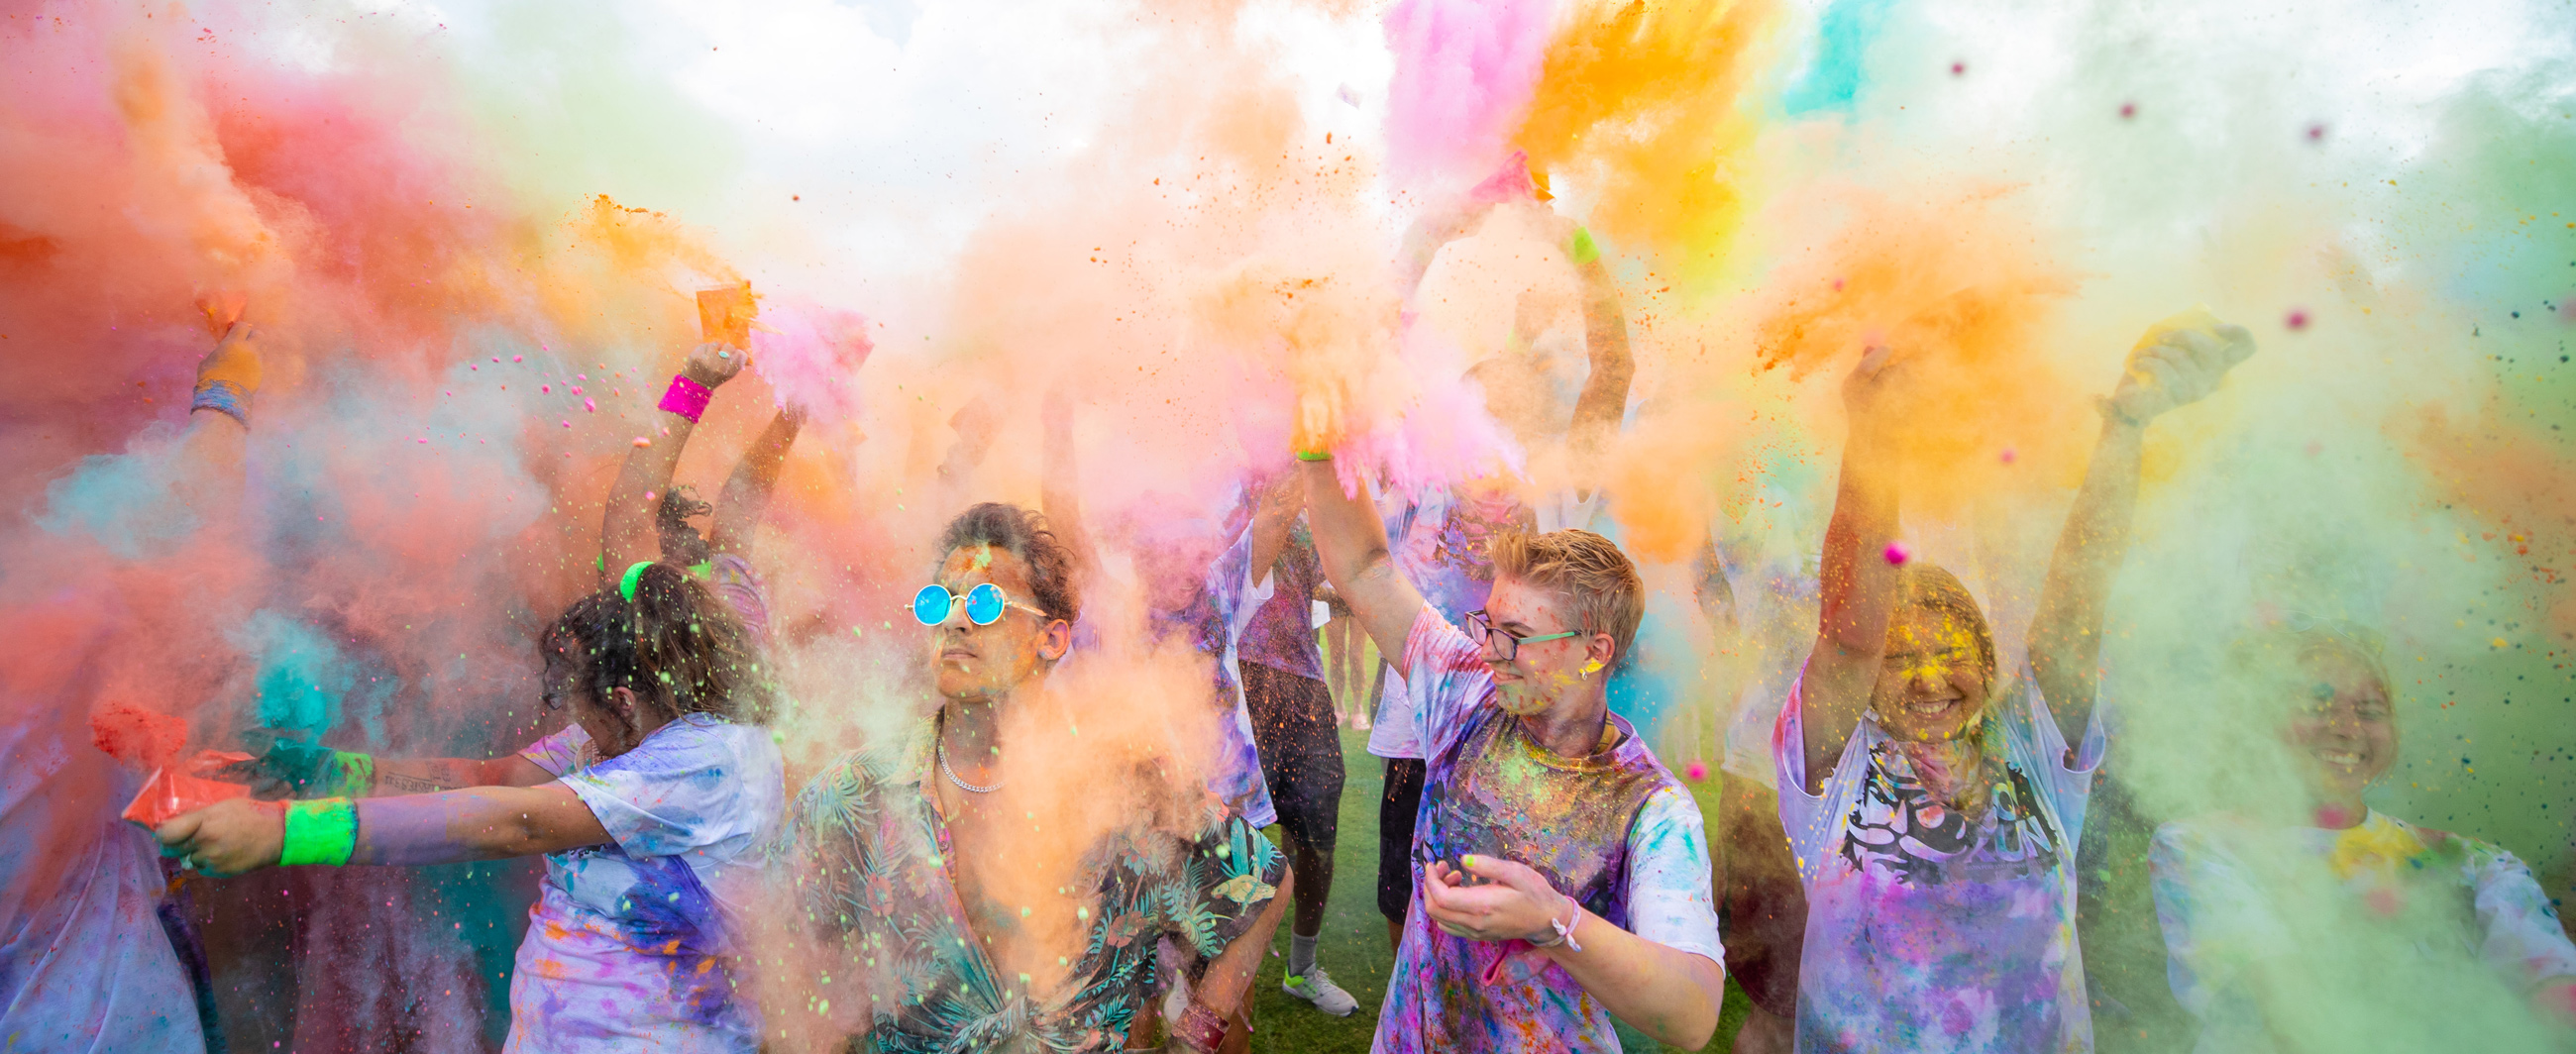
(1832, 80)
(122, 501)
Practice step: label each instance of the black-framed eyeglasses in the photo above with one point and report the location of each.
(1502, 640)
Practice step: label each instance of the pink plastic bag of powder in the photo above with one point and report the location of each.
(178, 790)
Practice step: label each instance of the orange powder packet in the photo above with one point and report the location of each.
(725, 314)
(174, 791)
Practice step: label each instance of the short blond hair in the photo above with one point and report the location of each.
(1586, 570)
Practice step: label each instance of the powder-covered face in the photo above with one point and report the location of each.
(2343, 732)
(1932, 682)
(980, 663)
(1542, 673)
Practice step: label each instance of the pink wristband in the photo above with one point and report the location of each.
(686, 397)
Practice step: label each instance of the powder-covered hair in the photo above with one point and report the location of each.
(2268, 666)
(1023, 533)
(681, 543)
(676, 646)
(1585, 569)
(1933, 588)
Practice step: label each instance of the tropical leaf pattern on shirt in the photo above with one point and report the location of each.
(868, 848)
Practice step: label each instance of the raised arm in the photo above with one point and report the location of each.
(1604, 402)
(628, 536)
(1350, 541)
(746, 492)
(1060, 476)
(2173, 366)
(1858, 585)
(218, 436)
(1272, 521)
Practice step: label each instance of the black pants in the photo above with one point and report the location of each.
(1301, 751)
(1395, 814)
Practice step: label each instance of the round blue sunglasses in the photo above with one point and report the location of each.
(984, 604)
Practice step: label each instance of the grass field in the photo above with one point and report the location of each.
(1353, 947)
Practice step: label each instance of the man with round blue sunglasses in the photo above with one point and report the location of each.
(984, 605)
(913, 858)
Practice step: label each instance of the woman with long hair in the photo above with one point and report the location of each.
(665, 784)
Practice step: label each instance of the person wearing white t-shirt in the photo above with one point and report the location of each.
(2267, 917)
(1934, 814)
(662, 793)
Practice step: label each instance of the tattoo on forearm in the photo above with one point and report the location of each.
(413, 784)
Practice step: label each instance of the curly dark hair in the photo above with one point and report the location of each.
(676, 645)
(1023, 533)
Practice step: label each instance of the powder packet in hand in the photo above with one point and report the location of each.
(176, 790)
(725, 313)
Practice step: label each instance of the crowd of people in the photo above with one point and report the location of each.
(1905, 878)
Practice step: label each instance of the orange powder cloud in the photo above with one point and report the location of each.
(2513, 477)
(1964, 291)
(1644, 105)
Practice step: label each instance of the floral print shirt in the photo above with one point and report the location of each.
(870, 855)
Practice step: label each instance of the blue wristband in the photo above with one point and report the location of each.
(223, 397)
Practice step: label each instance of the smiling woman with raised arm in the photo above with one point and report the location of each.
(1934, 814)
(1564, 871)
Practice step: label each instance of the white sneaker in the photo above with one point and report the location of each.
(1318, 988)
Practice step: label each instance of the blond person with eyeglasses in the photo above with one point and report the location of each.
(1564, 872)
(2329, 925)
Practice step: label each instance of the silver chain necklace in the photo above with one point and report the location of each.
(942, 749)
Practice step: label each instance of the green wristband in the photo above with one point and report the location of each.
(1314, 455)
(349, 774)
(1583, 249)
(322, 831)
